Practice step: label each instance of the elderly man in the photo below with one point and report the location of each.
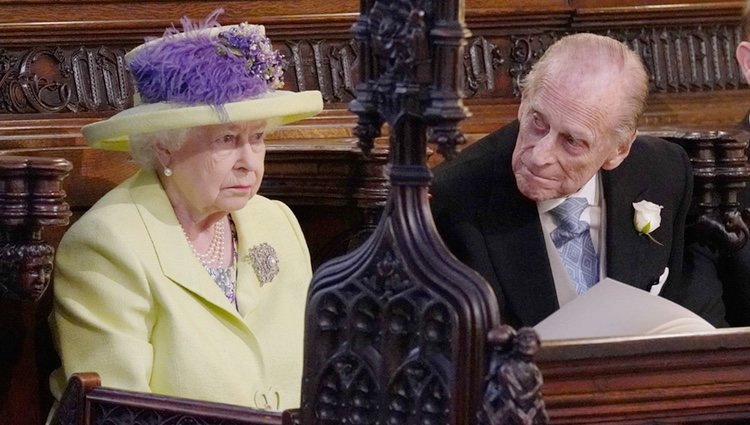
(543, 208)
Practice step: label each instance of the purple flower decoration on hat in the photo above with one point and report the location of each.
(200, 66)
(262, 61)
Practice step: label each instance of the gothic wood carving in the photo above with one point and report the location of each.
(680, 59)
(31, 197)
(514, 382)
(721, 173)
(395, 330)
(86, 402)
(53, 80)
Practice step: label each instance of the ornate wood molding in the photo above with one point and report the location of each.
(85, 401)
(721, 173)
(56, 80)
(685, 379)
(687, 48)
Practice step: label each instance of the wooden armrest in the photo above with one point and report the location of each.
(85, 401)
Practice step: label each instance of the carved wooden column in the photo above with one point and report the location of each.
(396, 330)
(31, 198)
(721, 173)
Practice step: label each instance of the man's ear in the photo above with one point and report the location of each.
(743, 58)
(620, 154)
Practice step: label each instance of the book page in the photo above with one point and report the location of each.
(612, 308)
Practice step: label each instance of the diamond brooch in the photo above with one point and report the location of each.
(265, 262)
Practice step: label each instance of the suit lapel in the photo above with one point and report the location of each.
(177, 261)
(631, 258)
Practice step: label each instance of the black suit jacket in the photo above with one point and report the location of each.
(491, 227)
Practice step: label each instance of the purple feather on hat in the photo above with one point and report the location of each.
(195, 67)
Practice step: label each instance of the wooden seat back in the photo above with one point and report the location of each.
(85, 401)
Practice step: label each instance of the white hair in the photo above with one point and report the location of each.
(609, 51)
(142, 146)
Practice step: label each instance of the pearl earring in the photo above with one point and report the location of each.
(167, 171)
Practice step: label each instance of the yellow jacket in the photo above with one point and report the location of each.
(132, 303)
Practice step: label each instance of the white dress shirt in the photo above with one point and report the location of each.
(594, 214)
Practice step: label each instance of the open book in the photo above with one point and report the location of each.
(612, 308)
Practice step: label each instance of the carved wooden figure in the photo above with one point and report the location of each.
(514, 383)
(31, 198)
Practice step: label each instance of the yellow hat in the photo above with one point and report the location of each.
(206, 75)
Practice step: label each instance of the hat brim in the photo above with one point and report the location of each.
(277, 108)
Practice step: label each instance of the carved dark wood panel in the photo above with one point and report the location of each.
(679, 59)
(115, 413)
(94, 79)
(721, 173)
(687, 58)
(57, 80)
(325, 65)
(45, 80)
(395, 330)
(31, 197)
(86, 402)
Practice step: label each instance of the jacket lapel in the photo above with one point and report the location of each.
(630, 256)
(248, 286)
(175, 257)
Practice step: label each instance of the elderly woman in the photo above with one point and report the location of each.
(183, 280)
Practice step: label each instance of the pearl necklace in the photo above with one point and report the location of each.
(215, 252)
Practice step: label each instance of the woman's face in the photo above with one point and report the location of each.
(218, 168)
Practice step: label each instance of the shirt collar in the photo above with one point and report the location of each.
(590, 191)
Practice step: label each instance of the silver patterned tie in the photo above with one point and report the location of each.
(572, 239)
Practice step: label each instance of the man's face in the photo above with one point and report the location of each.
(566, 135)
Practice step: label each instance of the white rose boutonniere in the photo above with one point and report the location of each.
(647, 218)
